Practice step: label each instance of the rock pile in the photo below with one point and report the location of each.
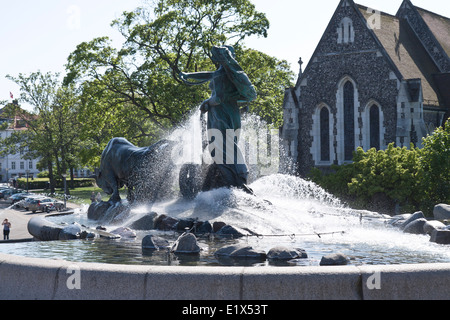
(416, 223)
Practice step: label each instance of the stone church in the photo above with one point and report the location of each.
(373, 79)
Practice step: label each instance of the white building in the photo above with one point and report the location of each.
(15, 166)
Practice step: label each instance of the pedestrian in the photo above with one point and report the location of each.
(6, 229)
(93, 197)
(99, 197)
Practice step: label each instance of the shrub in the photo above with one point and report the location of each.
(413, 178)
(394, 172)
(435, 165)
(42, 183)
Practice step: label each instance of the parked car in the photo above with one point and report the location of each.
(49, 204)
(45, 205)
(26, 203)
(5, 193)
(15, 198)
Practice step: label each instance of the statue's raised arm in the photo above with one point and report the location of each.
(198, 77)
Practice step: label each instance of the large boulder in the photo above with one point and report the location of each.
(442, 212)
(204, 227)
(415, 226)
(165, 223)
(414, 216)
(398, 220)
(97, 210)
(432, 225)
(281, 253)
(71, 232)
(109, 212)
(231, 232)
(335, 259)
(240, 251)
(152, 242)
(124, 232)
(440, 236)
(147, 222)
(186, 244)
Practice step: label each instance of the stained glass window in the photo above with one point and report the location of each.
(349, 121)
(375, 127)
(324, 134)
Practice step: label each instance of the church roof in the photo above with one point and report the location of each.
(405, 50)
(439, 26)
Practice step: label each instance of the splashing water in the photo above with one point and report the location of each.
(286, 210)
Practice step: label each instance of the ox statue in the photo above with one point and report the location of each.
(145, 171)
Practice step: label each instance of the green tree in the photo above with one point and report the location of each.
(435, 165)
(140, 84)
(53, 125)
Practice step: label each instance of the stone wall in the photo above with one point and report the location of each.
(361, 61)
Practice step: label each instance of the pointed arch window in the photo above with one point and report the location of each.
(346, 32)
(324, 134)
(374, 120)
(349, 121)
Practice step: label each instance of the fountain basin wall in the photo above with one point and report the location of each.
(30, 278)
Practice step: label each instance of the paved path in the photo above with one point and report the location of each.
(19, 221)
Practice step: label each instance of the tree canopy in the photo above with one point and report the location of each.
(134, 91)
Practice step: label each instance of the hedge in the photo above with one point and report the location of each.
(43, 183)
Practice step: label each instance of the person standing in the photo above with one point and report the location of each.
(6, 229)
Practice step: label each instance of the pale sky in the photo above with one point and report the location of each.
(40, 35)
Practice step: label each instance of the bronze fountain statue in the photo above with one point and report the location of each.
(145, 170)
(230, 88)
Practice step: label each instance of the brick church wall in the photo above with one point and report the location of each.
(363, 62)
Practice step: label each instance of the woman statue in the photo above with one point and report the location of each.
(230, 88)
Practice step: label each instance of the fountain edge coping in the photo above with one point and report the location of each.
(42, 279)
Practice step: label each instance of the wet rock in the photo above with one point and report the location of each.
(204, 227)
(152, 242)
(432, 225)
(335, 259)
(441, 212)
(109, 212)
(124, 232)
(100, 228)
(415, 226)
(217, 225)
(186, 244)
(97, 210)
(398, 220)
(440, 236)
(185, 224)
(240, 251)
(283, 254)
(87, 235)
(146, 223)
(414, 216)
(71, 232)
(165, 223)
(231, 232)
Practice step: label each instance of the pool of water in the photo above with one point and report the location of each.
(297, 214)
